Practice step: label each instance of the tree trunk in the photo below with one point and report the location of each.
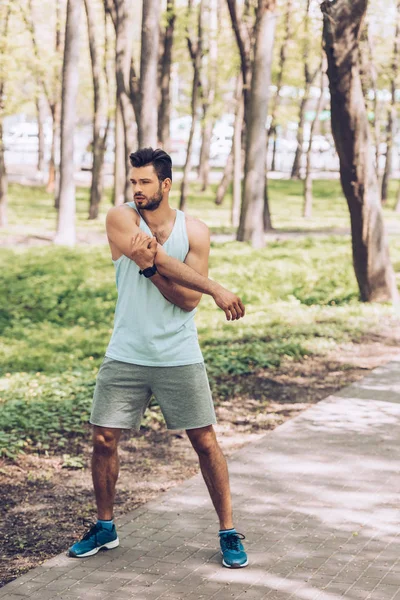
(237, 147)
(164, 111)
(99, 136)
(391, 125)
(244, 43)
(204, 161)
(119, 162)
(55, 109)
(308, 195)
(282, 63)
(251, 225)
(267, 223)
(147, 126)
(389, 153)
(397, 205)
(308, 81)
(209, 87)
(66, 216)
(373, 269)
(121, 13)
(3, 181)
(195, 50)
(41, 141)
(225, 180)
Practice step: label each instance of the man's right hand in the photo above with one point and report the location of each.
(143, 250)
(229, 302)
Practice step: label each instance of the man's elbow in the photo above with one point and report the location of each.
(191, 304)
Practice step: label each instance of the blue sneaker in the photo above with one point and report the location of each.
(94, 540)
(233, 553)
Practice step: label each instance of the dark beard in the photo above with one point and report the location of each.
(153, 202)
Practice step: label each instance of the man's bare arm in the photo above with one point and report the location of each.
(197, 259)
(124, 232)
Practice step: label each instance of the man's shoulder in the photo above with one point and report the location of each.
(196, 227)
(121, 213)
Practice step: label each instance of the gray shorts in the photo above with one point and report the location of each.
(123, 392)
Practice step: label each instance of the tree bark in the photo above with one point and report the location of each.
(251, 225)
(209, 88)
(120, 12)
(41, 140)
(66, 216)
(99, 134)
(244, 42)
(119, 163)
(55, 109)
(397, 205)
(237, 148)
(195, 50)
(3, 182)
(392, 116)
(373, 269)
(226, 180)
(147, 126)
(308, 195)
(164, 111)
(4, 23)
(281, 69)
(308, 81)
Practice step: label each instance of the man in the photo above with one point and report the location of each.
(161, 261)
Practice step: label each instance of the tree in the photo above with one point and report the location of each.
(100, 131)
(309, 77)
(66, 215)
(50, 87)
(147, 124)
(195, 46)
(281, 70)
(164, 110)
(208, 90)
(5, 10)
(308, 195)
(251, 227)
(126, 108)
(341, 30)
(250, 38)
(392, 116)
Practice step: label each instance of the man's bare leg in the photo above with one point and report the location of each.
(215, 472)
(105, 469)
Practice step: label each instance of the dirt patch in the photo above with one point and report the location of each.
(42, 504)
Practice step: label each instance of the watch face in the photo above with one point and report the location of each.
(150, 271)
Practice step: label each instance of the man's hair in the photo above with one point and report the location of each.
(160, 160)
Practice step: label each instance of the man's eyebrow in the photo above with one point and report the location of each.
(143, 179)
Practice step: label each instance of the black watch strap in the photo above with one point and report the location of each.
(149, 272)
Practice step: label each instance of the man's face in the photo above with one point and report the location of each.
(146, 187)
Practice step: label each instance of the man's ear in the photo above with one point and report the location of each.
(166, 184)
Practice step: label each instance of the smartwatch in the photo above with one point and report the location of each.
(149, 272)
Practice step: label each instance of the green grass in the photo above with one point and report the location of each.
(31, 209)
(57, 306)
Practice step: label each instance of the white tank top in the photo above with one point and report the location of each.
(148, 329)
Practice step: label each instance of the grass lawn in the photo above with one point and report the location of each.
(57, 305)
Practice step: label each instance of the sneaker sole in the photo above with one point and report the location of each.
(108, 546)
(235, 566)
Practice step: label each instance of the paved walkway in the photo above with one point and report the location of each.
(318, 501)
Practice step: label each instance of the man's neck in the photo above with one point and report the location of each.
(158, 218)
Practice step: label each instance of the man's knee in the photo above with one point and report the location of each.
(105, 440)
(203, 440)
